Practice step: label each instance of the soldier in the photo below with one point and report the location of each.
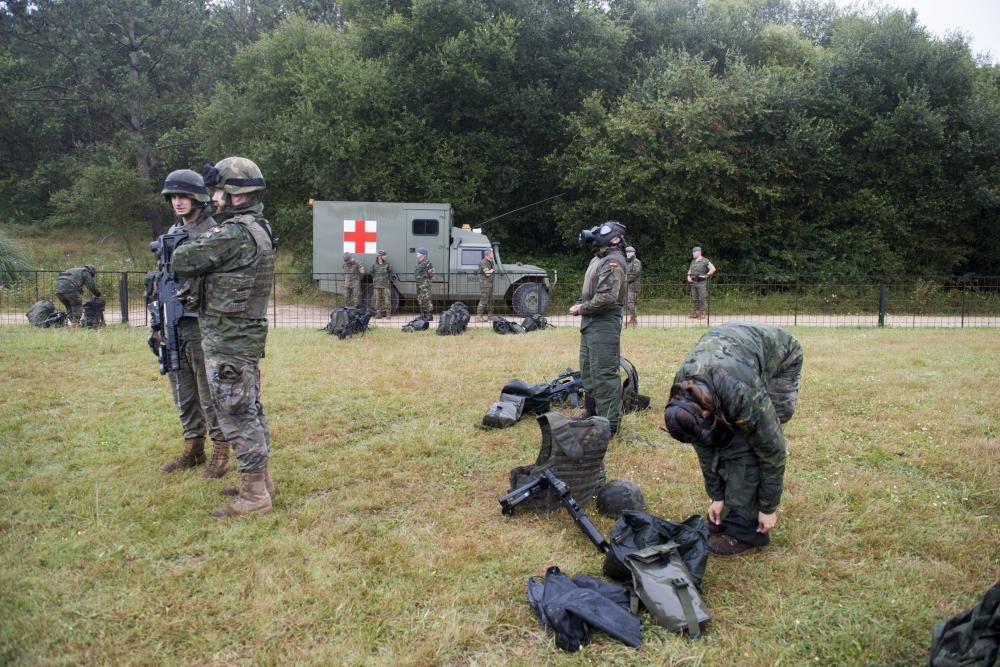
(236, 261)
(187, 195)
(698, 274)
(352, 280)
(69, 288)
(424, 274)
(633, 274)
(486, 269)
(600, 305)
(729, 399)
(382, 278)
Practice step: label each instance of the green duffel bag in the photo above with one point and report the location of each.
(664, 585)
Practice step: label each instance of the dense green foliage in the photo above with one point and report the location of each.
(788, 137)
(14, 258)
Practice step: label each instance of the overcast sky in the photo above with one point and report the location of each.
(977, 19)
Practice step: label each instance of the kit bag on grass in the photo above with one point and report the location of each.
(419, 324)
(635, 530)
(43, 314)
(503, 326)
(535, 322)
(971, 638)
(665, 587)
(93, 313)
(632, 400)
(453, 321)
(504, 413)
(347, 321)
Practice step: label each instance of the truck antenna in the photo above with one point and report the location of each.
(540, 201)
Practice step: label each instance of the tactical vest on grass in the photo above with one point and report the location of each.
(243, 292)
(574, 449)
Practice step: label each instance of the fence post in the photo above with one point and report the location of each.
(274, 300)
(36, 285)
(965, 285)
(883, 290)
(123, 295)
(795, 311)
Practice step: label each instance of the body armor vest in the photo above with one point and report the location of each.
(243, 291)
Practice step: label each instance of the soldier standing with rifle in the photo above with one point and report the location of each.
(382, 277)
(600, 308)
(352, 280)
(176, 336)
(486, 269)
(235, 261)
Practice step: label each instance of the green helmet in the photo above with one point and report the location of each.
(185, 182)
(237, 176)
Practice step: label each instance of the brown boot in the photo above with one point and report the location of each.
(235, 490)
(725, 546)
(193, 455)
(219, 465)
(253, 497)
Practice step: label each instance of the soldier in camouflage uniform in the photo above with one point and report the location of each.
(382, 277)
(352, 280)
(235, 259)
(729, 399)
(424, 274)
(600, 307)
(69, 288)
(187, 195)
(633, 273)
(486, 269)
(698, 274)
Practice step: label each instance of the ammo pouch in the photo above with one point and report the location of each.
(663, 584)
(505, 412)
(574, 449)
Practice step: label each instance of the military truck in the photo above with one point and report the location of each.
(363, 228)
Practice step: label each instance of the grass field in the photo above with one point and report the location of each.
(387, 546)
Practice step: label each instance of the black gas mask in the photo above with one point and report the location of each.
(685, 423)
(601, 235)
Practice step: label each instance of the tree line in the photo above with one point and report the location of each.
(786, 137)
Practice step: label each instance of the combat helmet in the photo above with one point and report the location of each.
(185, 182)
(235, 175)
(618, 495)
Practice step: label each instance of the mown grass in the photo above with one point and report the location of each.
(386, 544)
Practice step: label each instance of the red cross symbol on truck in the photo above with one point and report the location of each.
(360, 236)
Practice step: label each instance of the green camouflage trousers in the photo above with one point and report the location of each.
(699, 294)
(189, 386)
(73, 304)
(633, 293)
(235, 382)
(600, 349)
(485, 304)
(424, 298)
(352, 292)
(383, 299)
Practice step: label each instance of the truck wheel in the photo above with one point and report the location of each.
(530, 299)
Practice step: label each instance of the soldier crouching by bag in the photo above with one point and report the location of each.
(187, 195)
(69, 288)
(600, 308)
(235, 260)
(729, 399)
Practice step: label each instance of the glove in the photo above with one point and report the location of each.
(211, 175)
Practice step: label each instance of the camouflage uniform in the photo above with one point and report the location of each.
(699, 284)
(236, 261)
(352, 282)
(382, 277)
(486, 269)
(424, 274)
(69, 287)
(753, 370)
(601, 301)
(189, 384)
(634, 275)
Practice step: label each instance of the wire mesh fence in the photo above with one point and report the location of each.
(304, 300)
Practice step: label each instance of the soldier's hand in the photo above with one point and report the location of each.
(715, 511)
(689, 279)
(765, 522)
(574, 309)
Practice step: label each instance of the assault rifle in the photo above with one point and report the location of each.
(545, 480)
(167, 309)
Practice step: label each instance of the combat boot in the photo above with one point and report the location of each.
(235, 490)
(219, 465)
(253, 497)
(726, 546)
(193, 455)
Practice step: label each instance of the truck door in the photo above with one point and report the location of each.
(428, 228)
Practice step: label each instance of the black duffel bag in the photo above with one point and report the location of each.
(635, 531)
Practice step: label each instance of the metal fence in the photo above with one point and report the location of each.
(664, 301)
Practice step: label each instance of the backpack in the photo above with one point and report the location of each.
(41, 312)
(632, 400)
(347, 321)
(93, 313)
(535, 322)
(454, 320)
(971, 637)
(419, 324)
(574, 449)
(502, 326)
